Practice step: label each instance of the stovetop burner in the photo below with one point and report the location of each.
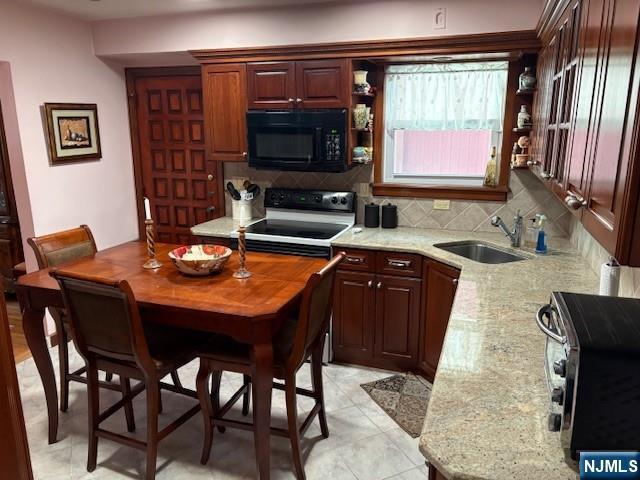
(296, 228)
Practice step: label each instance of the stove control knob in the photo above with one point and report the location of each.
(281, 197)
(273, 196)
(555, 422)
(557, 395)
(334, 200)
(560, 367)
(343, 200)
(318, 198)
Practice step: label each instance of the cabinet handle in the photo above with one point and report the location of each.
(298, 100)
(210, 177)
(546, 175)
(455, 281)
(574, 202)
(291, 100)
(370, 283)
(354, 259)
(244, 154)
(379, 285)
(211, 209)
(212, 193)
(399, 263)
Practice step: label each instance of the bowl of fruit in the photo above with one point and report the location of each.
(200, 259)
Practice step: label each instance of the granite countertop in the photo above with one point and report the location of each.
(487, 415)
(219, 227)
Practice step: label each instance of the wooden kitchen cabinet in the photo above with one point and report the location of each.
(397, 321)
(303, 84)
(323, 83)
(224, 89)
(271, 85)
(353, 314)
(595, 168)
(383, 309)
(439, 288)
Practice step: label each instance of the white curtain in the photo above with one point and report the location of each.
(450, 96)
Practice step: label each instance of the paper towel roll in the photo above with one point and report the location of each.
(610, 278)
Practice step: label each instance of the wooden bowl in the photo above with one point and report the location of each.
(200, 259)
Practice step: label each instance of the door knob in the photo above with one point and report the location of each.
(210, 177)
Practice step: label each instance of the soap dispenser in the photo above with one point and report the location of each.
(541, 244)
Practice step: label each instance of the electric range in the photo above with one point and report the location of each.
(300, 222)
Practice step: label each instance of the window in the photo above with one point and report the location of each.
(441, 121)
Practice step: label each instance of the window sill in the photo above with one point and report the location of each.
(487, 194)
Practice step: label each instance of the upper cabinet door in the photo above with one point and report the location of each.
(322, 84)
(613, 120)
(224, 88)
(271, 85)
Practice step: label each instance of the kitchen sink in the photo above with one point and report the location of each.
(479, 252)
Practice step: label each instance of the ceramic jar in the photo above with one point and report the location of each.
(527, 80)
(360, 84)
(524, 118)
(361, 116)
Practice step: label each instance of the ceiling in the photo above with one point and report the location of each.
(92, 10)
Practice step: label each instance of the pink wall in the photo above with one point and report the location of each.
(49, 58)
(299, 24)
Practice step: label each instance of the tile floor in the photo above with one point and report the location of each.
(364, 443)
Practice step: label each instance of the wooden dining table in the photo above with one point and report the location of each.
(249, 310)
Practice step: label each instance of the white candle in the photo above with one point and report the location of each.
(147, 209)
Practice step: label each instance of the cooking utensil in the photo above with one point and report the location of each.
(235, 194)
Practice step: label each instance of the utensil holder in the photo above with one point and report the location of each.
(241, 210)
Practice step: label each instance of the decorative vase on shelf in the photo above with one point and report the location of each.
(360, 84)
(527, 80)
(524, 119)
(360, 116)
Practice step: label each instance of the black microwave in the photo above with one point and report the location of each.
(301, 140)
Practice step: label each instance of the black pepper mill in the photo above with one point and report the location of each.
(389, 216)
(371, 215)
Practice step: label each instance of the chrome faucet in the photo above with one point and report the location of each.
(514, 235)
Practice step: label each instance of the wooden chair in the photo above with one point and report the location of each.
(53, 250)
(299, 339)
(110, 336)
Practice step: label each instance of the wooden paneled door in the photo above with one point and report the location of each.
(168, 137)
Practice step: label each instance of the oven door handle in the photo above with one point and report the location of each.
(546, 311)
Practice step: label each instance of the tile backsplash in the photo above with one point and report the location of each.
(528, 195)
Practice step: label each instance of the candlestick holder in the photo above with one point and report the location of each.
(242, 272)
(151, 247)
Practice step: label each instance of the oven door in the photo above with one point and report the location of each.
(286, 147)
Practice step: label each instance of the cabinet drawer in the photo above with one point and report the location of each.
(402, 264)
(358, 260)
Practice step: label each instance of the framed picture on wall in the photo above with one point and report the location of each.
(72, 132)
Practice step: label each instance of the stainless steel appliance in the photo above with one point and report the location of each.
(302, 140)
(593, 370)
(301, 222)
